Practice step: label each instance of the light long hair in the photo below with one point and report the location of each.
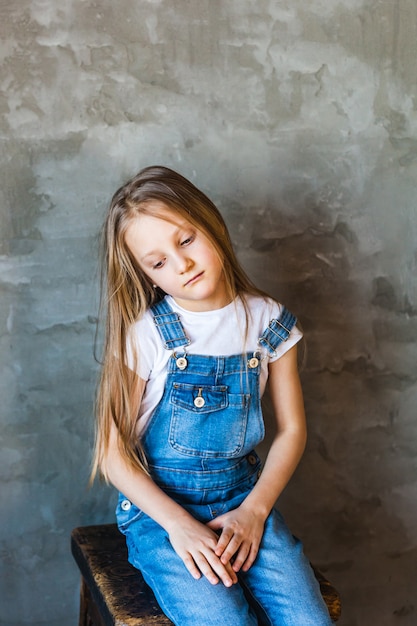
(126, 293)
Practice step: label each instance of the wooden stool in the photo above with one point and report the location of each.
(113, 592)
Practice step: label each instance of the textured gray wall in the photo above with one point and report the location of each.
(299, 119)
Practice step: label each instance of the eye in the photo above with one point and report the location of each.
(187, 240)
(158, 265)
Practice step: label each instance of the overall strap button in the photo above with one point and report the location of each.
(181, 363)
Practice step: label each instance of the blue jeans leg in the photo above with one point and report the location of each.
(186, 601)
(281, 586)
(282, 581)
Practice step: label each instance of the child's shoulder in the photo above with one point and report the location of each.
(144, 320)
(264, 306)
(143, 328)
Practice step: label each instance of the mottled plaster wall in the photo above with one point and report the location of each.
(299, 120)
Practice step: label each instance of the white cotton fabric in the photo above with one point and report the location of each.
(217, 333)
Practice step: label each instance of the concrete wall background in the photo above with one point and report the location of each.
(299, 120)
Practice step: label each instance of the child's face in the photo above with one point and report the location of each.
(177, 257)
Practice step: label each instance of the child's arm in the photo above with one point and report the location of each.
(242, 528)
(193, 541)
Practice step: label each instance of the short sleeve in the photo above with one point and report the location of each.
(142, 347)
(294, 337)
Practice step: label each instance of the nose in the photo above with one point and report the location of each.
(183, 263)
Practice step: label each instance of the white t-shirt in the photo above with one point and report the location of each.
(212, 333)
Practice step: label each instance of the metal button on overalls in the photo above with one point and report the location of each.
(181, 362)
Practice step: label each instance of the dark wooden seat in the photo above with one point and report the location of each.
(113, 593)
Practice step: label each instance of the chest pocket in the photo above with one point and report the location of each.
(207, 421)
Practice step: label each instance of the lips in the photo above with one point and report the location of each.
(193, 279)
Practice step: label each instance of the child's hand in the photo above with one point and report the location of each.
(241, 534)
(196, 544)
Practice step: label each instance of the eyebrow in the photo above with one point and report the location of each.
(149, 254)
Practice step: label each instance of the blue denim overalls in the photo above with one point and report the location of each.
(199, 444)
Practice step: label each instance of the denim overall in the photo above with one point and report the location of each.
(199, 444)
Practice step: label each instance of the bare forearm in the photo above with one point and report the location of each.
(142, 491)
(281, 462)
(242, 528)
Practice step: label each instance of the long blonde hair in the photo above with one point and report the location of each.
(127, 293)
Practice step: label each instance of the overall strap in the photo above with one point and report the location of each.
(169, 326)
(278, 331)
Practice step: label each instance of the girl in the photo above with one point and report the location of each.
(190, 344)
